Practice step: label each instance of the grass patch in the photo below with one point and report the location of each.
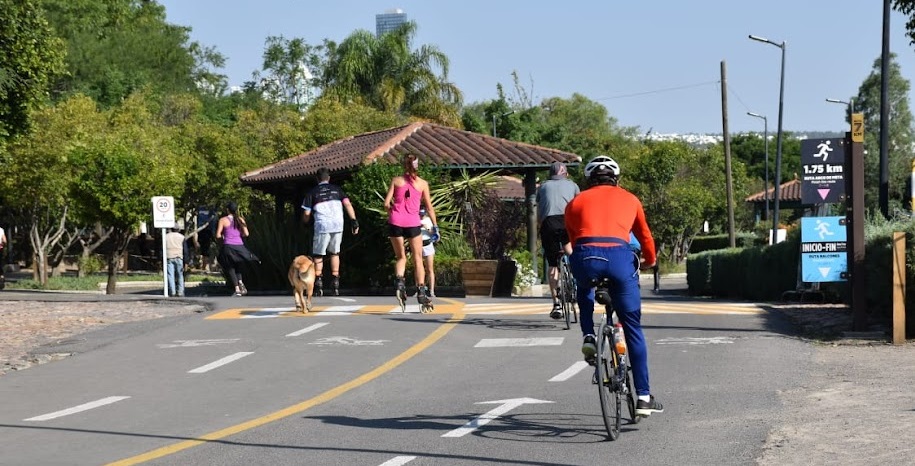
(91, 282)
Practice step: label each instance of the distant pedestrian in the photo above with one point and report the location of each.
(326, 203)
(231, 230)
(175, 251)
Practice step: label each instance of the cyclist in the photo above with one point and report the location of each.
(599, 222)
(552, 197)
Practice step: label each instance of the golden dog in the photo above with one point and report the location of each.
(302, 279)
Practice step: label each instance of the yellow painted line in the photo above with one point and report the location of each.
(329, 395)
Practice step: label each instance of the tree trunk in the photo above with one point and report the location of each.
(112, 285)
(121, 238)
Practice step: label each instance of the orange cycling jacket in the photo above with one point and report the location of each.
(609, 211)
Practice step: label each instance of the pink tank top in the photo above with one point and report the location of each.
(405, 206)
(231, 234)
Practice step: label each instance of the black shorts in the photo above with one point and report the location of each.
(553, 235)
(405, 232)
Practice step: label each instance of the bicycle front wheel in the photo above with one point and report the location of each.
(611, 406)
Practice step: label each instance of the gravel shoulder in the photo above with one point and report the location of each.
(34, 332)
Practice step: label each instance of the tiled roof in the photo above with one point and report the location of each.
(788, 191)
(509, 187)
(436, 145)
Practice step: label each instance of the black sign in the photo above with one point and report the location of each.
(822, 171)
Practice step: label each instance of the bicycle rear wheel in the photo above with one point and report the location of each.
(565, 297)
(630, 397)
(611, 406)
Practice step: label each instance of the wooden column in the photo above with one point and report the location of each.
(899, 288)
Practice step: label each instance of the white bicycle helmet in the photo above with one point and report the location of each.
(602, 166)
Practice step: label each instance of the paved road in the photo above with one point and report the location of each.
(481, 381)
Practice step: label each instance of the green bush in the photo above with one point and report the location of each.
(765, 273)
(91, 264)
(712, 242)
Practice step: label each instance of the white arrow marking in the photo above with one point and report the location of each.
(695, 341)
(398, 461)
(347, 341)
(502, 342)
(78, 409)
(570, 372)
(306, 329)
(825, 270)
(487, 417)
(193, 343)
(221, 362)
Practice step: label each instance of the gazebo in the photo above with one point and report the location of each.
(789, 198)
(439, 146)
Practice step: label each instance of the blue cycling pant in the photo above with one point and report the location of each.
(620, 265)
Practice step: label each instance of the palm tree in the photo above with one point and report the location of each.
(385, 73)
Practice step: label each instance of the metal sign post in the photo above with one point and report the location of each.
(164, 217)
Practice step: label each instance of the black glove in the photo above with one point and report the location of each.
(355, 226)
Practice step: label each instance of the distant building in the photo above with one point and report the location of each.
(389, 21)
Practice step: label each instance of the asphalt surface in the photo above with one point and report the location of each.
(249, 384)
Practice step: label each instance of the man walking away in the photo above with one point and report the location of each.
(326, 202)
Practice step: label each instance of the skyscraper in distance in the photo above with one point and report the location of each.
(389, 21)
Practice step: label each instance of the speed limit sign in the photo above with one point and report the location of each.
(163, 212)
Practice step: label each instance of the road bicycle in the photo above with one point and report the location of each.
(612, 372)
(567, 291)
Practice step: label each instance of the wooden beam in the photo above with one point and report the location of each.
(898, 288)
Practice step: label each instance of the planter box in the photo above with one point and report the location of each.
(488, 277)
(478, 276)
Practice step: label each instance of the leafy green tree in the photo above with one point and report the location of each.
(41, 170)
(901, 138)
(292, 71)
(680, 187)
(386, 73)
(329, 120)
(120, 174)
(30, 57)
(117, 47)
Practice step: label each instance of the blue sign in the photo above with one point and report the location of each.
(824, 257)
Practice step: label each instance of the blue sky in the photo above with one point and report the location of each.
(653, 64)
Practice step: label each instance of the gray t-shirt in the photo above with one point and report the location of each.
(553, 195)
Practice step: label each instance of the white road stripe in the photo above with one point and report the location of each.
(570, 372)
(221, 362)
(268, 312)
(695, 341)
(398, 461)
(410, 309)
(504, 342)
(306, 329)
(339, 310)
(78, 409)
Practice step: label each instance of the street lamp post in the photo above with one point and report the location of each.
(500, 117)
(766, 138)
(778, 144)
(850, 104)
